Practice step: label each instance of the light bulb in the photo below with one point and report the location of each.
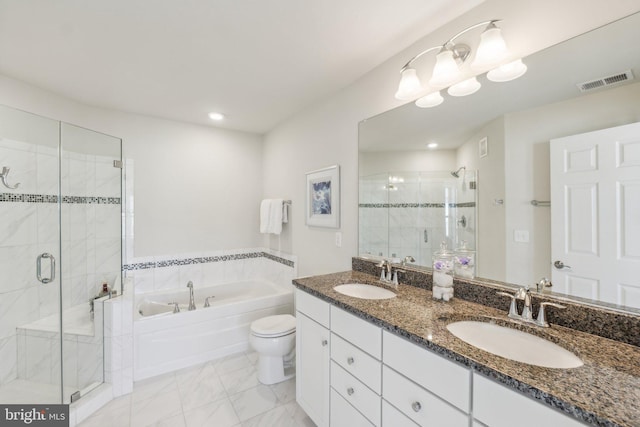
(432, 100)
(507, 72)
(465, 87)
(409, 85)
(491, 50)
(446, 70)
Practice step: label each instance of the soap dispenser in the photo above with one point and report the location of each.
(443, 273)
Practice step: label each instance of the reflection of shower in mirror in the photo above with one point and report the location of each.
(457, 173)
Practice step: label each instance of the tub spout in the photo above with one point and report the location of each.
(192, 303)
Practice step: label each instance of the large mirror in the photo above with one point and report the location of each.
(503, 136)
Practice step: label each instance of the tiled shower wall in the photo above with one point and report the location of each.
(414, 216)
(90, 232)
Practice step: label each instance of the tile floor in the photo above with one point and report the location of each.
(220, 393)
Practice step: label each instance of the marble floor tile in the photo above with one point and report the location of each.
(156, 409)
(240, 380)
(254, 401)
(219, 414)
(220, 393)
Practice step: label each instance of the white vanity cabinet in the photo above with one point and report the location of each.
(312, 357)
(352, 373)
(497, 406)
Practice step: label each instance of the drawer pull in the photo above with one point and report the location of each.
(416, 406)
(324, 343)
(350, 360)
(350, 391)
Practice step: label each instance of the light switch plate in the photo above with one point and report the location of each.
(521, 236)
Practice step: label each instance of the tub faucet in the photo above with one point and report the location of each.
(192, 303)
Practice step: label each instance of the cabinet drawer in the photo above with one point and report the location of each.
(313, 307)
(438, 375)
(391, 417)
(422, 406)
(498, 406)
(356, 393)
(358, 363)
(357, 331)
(343, 414)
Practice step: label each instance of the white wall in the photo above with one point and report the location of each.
(326, 132)
(491, 187)
(197, 188)
(401, 161)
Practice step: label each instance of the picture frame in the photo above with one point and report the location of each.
(323, 197)
(483, 147)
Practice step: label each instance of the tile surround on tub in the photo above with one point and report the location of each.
(595, 320)
(207, 259)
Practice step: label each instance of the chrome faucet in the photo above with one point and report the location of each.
(192, 303)
(385, 274)
(524, 294)
(388, 274)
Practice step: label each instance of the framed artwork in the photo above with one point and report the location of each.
(323, 197)
(483, 147)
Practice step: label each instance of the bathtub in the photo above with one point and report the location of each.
(165, 341)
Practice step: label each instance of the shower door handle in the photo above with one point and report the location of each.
(426, 236)
(52, 274)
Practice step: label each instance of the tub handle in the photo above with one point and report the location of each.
(176, 307)
(206, 301)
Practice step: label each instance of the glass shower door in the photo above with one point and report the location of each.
(30, 339)
(91, 250)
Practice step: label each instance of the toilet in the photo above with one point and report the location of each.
(274, 339)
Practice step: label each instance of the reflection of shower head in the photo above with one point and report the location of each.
(457, 173)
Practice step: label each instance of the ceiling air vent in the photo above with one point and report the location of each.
(606, 81)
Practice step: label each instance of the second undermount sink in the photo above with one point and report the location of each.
(362, 291)
(514, 344)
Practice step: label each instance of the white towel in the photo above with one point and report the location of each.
(271, 216)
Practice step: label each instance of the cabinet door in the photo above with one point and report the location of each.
(312, 369)
(343, 414)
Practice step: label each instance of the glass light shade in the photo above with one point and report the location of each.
(507, 72)
(409, 85)
(465, 87)
(432, 100)
(446, 70)
(491, 50)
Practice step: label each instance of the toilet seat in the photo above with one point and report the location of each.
(274, 326)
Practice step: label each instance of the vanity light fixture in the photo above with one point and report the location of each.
(216, 116)
(492, 54)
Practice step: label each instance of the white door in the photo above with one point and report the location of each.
(595, 215)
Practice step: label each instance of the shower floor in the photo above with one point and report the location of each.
(24, 391)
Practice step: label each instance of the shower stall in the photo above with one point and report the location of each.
(410, 213)
(60, 255)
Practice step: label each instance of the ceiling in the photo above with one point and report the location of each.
(256, 61)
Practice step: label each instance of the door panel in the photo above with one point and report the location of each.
(595, 200)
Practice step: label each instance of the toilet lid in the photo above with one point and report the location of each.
(281, 324)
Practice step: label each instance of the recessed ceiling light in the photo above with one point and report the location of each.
(432, 145)
(216, 116)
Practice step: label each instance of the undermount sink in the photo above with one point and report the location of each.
(514, 344)
(360, 290)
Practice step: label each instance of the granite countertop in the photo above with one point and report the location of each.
(605, 391)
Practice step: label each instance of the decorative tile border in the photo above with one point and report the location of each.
(47, 198)
(417, 205)
(203, 260)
